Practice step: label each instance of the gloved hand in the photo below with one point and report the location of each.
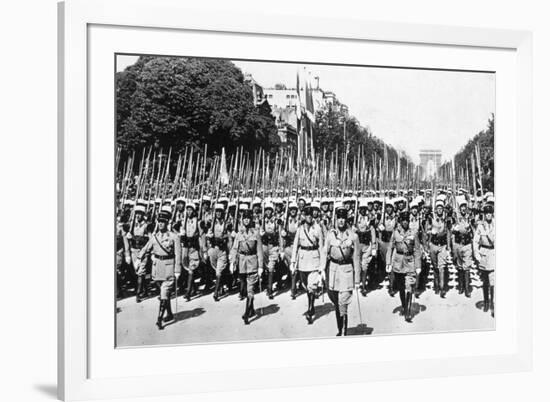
(373, 252)
(388, 268)
(128, 260)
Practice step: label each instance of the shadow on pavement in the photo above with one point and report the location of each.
(263, 311)
(185, 315)
(361, 329)
(323, 309)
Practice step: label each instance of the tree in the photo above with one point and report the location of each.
(180, 101)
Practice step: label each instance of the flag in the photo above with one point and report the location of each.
(224, 177)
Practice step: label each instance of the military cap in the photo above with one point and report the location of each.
(206, 198)
(488, 209)
(390, 202)
(139, 208)
(164, 216)
(315, 205)
(488, 194)
(490, 200)
(461, 201)
(268, 205)
(439, 203)
(244, 207)
(307, 210)
(292, 204)
(129, 202)
(257, 201)
(180, 200)
(325, 200)
(231, 204)
(363, 202)
(219, 207)
(341, 211)
(223, 200)
(278, 201)
(414, 204)
(190, 204)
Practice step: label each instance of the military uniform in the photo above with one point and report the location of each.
(439, 251)
(367, 246)
(342, 252)
(484, 251)
(288, 236)
(463, 251)
(165, 249)
(270, 244)
(247, 257)
(190, 239)
(402, 256)
(306, 260)
(386, 229)
(138, 236)
(122, 255)
(218, 239)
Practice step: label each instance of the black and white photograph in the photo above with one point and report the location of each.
(278, 200)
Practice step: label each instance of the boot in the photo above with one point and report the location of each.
(309, 315)
(436, 282)
(217, 288)
(246, 310)
(460, 279)
(293, 277)
(485, 298)
(443, 287)
(417, 285)
(364, 283)
(339, 323)
(139, 289)
(345, 324)
(492, 300)
(270, 285)
(408, 307)
(161, 313)
(189, 292)
(391, 289)
(403, 302)
(251, 310)
(169, 316)
(242, 287)
(467, 289)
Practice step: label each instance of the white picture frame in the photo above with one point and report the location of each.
(79, 379)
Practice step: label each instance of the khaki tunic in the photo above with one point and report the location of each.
(218, 238)
(191, 243)
(484, 245)
(165, 250)
(306, 248)
(439, 241)
(342, 250)
(270, 242)
(462, 242)
(367, 240)
(137, 239)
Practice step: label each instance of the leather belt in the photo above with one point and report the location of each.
(164, 257)
(309, 248)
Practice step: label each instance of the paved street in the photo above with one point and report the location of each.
(203, 320)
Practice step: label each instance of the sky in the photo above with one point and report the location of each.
(411, 109)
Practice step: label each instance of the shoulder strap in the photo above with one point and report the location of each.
(160, 245)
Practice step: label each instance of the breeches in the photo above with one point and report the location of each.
(404, 281)
(341, 300)
(166, 287)
(218, 259)
(190, 258)
(488, 277)
(271, 255)
(464, 256)
(366, 256)
(139, 265)
(438, 255)
(310, 279)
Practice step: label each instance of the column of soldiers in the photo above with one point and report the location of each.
(318, 240)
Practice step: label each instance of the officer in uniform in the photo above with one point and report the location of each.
(402, 259)
(462, 246)
(165, 248)
(189, 232)
(306, 258)
(247, 257)
(341, 254)
(218, 241)
(269, 232)
(439, 240)
(138, 236)
(366, 234)
(484, 252)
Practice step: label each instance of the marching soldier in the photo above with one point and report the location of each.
(306, 258)
(402, 259)
(367, 242)
(165, 248)
(462, 246)
(341, 252)
(247, 257)
(189, 232)
(439, 240)
(122, 255)
(288, 235)
(386, 228)
(138, 236)
(270, 243)
(218, 239)
(484, 252)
